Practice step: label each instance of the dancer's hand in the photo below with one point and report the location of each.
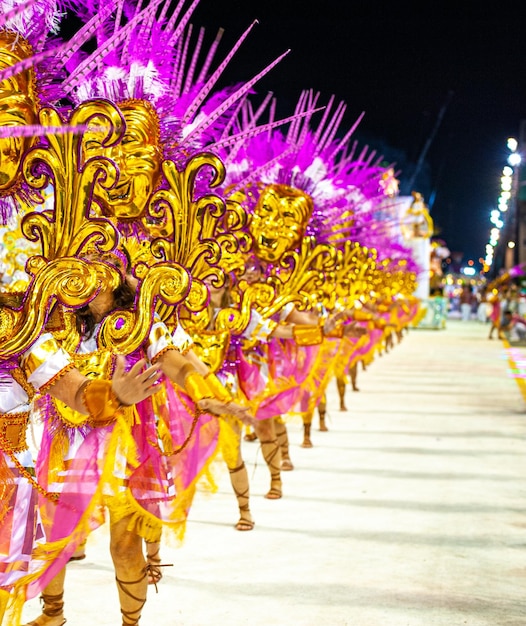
(332, 320)
(353, 330)
(242, 413)
(136, 385)
(218, 407)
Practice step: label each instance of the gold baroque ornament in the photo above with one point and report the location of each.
(68, 281)
(138, 158)
(126, 331)
(193, 231)
(234, 320)
(279, 220)
(70, 229)
(355, 274)
(18, 107)
(300, 276)
(234, 240)
(211, 347)
(416, 222)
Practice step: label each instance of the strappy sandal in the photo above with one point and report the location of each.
(242, 496)
(153, 568)
(131, 615)
(244, 524)
(53, 607)
(272, 456)
(273, 494)
(37, 622)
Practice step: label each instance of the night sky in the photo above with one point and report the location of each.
(454, 80)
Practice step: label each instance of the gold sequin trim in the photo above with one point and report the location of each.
(160, 354)
(56, 377)
(19, 376)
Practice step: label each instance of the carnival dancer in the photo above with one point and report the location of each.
(152, 123)
(138, 493)
(29, 558)
(275, 401)
(23, 32)
(241, 352)
(495, 299)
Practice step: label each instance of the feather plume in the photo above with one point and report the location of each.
(86, 32)
(90, 63)
(182, 24)
(192, 109)
(193, 62)
(38, 130)
(210, 56)
(10, 15)
(212, 117)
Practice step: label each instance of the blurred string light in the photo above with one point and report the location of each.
(506, 186)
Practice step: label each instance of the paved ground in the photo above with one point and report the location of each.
(410, 511)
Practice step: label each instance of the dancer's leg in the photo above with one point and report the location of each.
(322, 412)
(353, 373)
(130, 570)
(283, 441)
(239, 480)
(340, 384)
(272, 455)
(52, 598)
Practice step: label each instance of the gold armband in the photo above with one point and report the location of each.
(217, 387)
(197, 387)
(307, 335)
(100, 400)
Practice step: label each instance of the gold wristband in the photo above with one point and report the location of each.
(307, 335)
(217, 387)
(197, 387)
(100, 400)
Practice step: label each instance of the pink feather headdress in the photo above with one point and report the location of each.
(174, 75)
(351, 189)
(312, 159)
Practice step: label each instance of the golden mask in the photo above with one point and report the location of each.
(279, 221)
(138, 158)
(211, 347)
(18, 107)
